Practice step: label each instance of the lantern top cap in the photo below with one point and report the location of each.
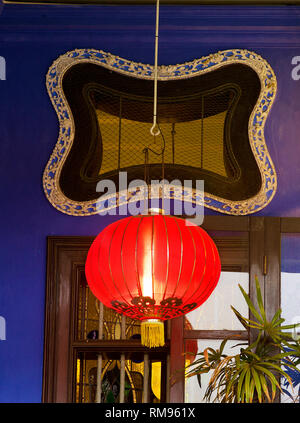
(153, 211)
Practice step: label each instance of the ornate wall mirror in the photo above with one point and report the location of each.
(211, 113)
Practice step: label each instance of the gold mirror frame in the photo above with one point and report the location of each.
(200, 66)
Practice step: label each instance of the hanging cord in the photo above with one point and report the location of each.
(146, 163)
(155, 129)
(155, 126)
(146, 178)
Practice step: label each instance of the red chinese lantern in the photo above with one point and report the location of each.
(152, 268)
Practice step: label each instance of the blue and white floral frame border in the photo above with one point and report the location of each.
(172, 72)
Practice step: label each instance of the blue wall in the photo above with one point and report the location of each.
(31, 38)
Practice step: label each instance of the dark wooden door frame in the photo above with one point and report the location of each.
(65, 254)
(62, 254)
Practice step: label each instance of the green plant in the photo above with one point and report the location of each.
(252, 375)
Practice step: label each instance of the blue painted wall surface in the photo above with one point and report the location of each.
(31, 38)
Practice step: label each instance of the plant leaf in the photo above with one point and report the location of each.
(244, 321)
(240, 385)
(276, 316)
(205, 353)
(247, 384)
(252, 387)
(264, 386)
(259, 299)
(271, 377)
(251, 305)
(223, 343)
(257, 383)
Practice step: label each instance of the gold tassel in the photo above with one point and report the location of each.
(152, 333)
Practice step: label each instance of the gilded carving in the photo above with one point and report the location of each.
(171, 72)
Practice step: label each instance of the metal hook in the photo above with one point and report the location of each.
(155, 134)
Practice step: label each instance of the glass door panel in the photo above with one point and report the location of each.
(196, 386)
(107, 367)
(133, 386)
(216, 313)
(88, 318)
